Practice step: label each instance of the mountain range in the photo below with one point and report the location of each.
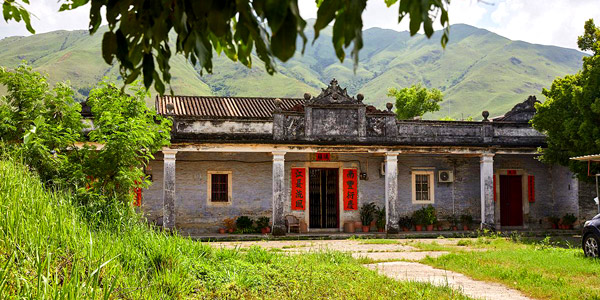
(478, 70)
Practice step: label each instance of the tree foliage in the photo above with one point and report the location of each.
(13, 10)
(570, 117)
(415, 101)
(139, 31)
(44, 120)
(43, 125)
(129, 133)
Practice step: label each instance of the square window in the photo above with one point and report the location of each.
(422, 187)
(219, 187)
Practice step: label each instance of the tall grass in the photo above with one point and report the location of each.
(48, 250)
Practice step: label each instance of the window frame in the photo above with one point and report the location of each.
(209, 188)
(431, 176)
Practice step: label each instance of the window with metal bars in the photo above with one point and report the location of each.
(219, 189)
(422, 188)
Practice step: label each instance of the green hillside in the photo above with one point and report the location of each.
(478, 70)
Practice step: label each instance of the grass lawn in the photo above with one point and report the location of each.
(49, 250)
(538, 269)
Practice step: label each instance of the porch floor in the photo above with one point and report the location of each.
(376, 235)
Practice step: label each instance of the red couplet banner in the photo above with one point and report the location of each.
(531, 188)
(350, 189)
(298, 188)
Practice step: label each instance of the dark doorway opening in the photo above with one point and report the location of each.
(323, 198)
(511, 200)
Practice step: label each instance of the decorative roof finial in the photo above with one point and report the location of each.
(333, 83)
(389, 106)
(485, 115)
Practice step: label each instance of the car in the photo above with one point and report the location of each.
(591, 237)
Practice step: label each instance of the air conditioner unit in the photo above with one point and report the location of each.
(445, 176)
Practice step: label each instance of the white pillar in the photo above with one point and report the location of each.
(278, 193)
(169, 188)
(391, 192)
(487, 190)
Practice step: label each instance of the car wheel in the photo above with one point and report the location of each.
(590, 246)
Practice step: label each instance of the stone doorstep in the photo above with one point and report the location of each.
(372, 235)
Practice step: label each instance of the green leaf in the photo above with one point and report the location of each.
(109, 46)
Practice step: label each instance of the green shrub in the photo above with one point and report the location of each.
(405, 222)
(426, 215)
(244, 223)
(262, 222)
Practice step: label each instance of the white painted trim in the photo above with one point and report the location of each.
(209, 202)
(431, 185)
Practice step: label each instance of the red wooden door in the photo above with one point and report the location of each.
(511, 200)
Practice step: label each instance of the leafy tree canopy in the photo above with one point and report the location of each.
(43, 125)
(415, 101)
(570, 117)
(138, 35)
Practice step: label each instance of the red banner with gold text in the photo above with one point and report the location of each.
(350, 191)
(298, 188)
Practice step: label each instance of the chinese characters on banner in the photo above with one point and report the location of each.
(531, 188)
(323, 156)
(350, 189)
(298, 188)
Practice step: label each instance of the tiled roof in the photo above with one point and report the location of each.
(215, 107)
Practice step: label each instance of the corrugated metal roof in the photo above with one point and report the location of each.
(222, 107)
(593, 157)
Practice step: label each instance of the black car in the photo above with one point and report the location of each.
(591, 237)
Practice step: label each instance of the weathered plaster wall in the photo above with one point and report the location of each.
(556, 190)
(460, 197)
(587, 206)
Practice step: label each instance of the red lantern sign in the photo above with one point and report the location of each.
(511, 172)
(531, 188)
(350, 190)
(323, 156)
(298, 188)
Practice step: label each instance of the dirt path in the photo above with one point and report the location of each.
(406, 269)
(413, 271)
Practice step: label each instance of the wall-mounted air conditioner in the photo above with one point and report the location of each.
(445, 176)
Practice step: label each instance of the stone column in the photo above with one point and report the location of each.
(169, 189)
(278, 193)
(391, 192)
(487, 191)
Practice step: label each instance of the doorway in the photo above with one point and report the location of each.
(323, 198)
(511, 200)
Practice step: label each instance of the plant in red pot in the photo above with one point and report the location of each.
(466, 221)
(380, 219)
(367, 212)
(554, 221)
(406, 223)
(419, 218)
(453, 219)
(263, 224)
(430, 217)
(568, 220)
(229, 224)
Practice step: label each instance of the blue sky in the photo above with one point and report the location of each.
(548, 22)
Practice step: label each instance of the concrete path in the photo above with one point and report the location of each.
(393, 250)
(412, 271)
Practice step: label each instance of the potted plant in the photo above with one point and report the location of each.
(366, 215)
(380, 218)
(568, 220)
(263, 224)
(453, 219)
(466, 221)
(405, 223)
(244, 224)
(554, 221)
(222, 230)
(430, 217)
(229, 224)
(419, 218)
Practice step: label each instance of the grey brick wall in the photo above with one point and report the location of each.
(556, 190)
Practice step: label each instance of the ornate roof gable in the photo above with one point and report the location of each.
(522, 112)
(333, 94)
